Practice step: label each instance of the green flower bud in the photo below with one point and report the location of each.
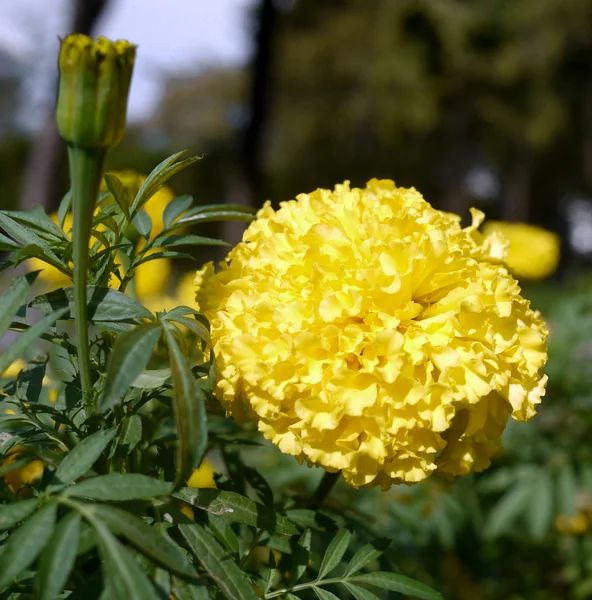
(94, 84)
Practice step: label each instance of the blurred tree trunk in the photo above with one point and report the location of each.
(247, 187)
(517, 202)
(47, 156)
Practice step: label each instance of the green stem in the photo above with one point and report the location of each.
(325, 487)
(86, 171)
(304, 586)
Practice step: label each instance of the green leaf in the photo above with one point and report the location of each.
(301, 554)
(159, 176)
(30, 381)
(14, 297)
(58, 558)
(7, 245)
(171, 241)
(212, 208)
(37, 219)
(230, 579)
(104, 304)
(151, 379)
(143, 223)
(324, 594)
(366, 555)
(37, 251)
(129, 358)
(23, 235)
(567, 489)
(163, 254)
(398, 583)
(22, 344)
(540, 506)
(149, 540)
(192, 324)
(221, 215)
(119, 192)
(189, 410)
(507, 510)
(189, 590)
(360, 593)
(83, 456)
(237, 508)
(131, 433)
(64, 207)
(175, 208)
(26, 543)
(15, 512)
(120, 487)
(335, 552)
(127, 579)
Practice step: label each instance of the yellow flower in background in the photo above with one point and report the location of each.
(368, 333)
(15, 368)
(21, 476)
(203, 476)
(151, 278)
(577, 524)
(533, 251)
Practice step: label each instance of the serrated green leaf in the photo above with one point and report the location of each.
(131, 433)
(211, 208)
(119, 487)
(229, 578)
(366, 555)
(159, 176)
(30, 381)
(237, 508)
(222, 215)
(170, 241)
(128, 580)
(189, 410)
(324, 594)
(163, 254)
(507, 510)
(148, 540)
(7, 245)
(301, 554)
(143, 223)
(151, 379)
(189, 590)
(15, 512)
(64, 207)
(119, 192)
(128, 359)
(567, 489)
(398, 583)
(335, 551)
(104, 304)
(26, 543)
(222, 530)
(360, 593)
(83, 456)
(15, 296)
(37, 251)
(24, 235)
(58, 558)
(37, 219)
(23, 342)
(175, 208)
(540, 511)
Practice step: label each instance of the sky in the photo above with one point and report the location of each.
(173, 36)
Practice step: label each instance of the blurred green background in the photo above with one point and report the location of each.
(484, 103)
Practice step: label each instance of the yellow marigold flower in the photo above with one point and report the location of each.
(19, 477)
(533, 251)
(15, 368)
(368, 333)
(575, 525)
(151, 278)
(203, 476)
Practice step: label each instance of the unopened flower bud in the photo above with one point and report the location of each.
(94, 84)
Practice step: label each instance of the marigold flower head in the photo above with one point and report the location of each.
(533, 252)
(368, 333)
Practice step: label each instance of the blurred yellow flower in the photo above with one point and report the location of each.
(203, 476)
(21, 476)
(369, 333)
(575, 525)
(151, 278)
(15, 368)
(533, 251)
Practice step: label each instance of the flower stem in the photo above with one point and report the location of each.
(325, 487)
(86, 171)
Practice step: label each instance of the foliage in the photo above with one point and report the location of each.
(94, 501)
